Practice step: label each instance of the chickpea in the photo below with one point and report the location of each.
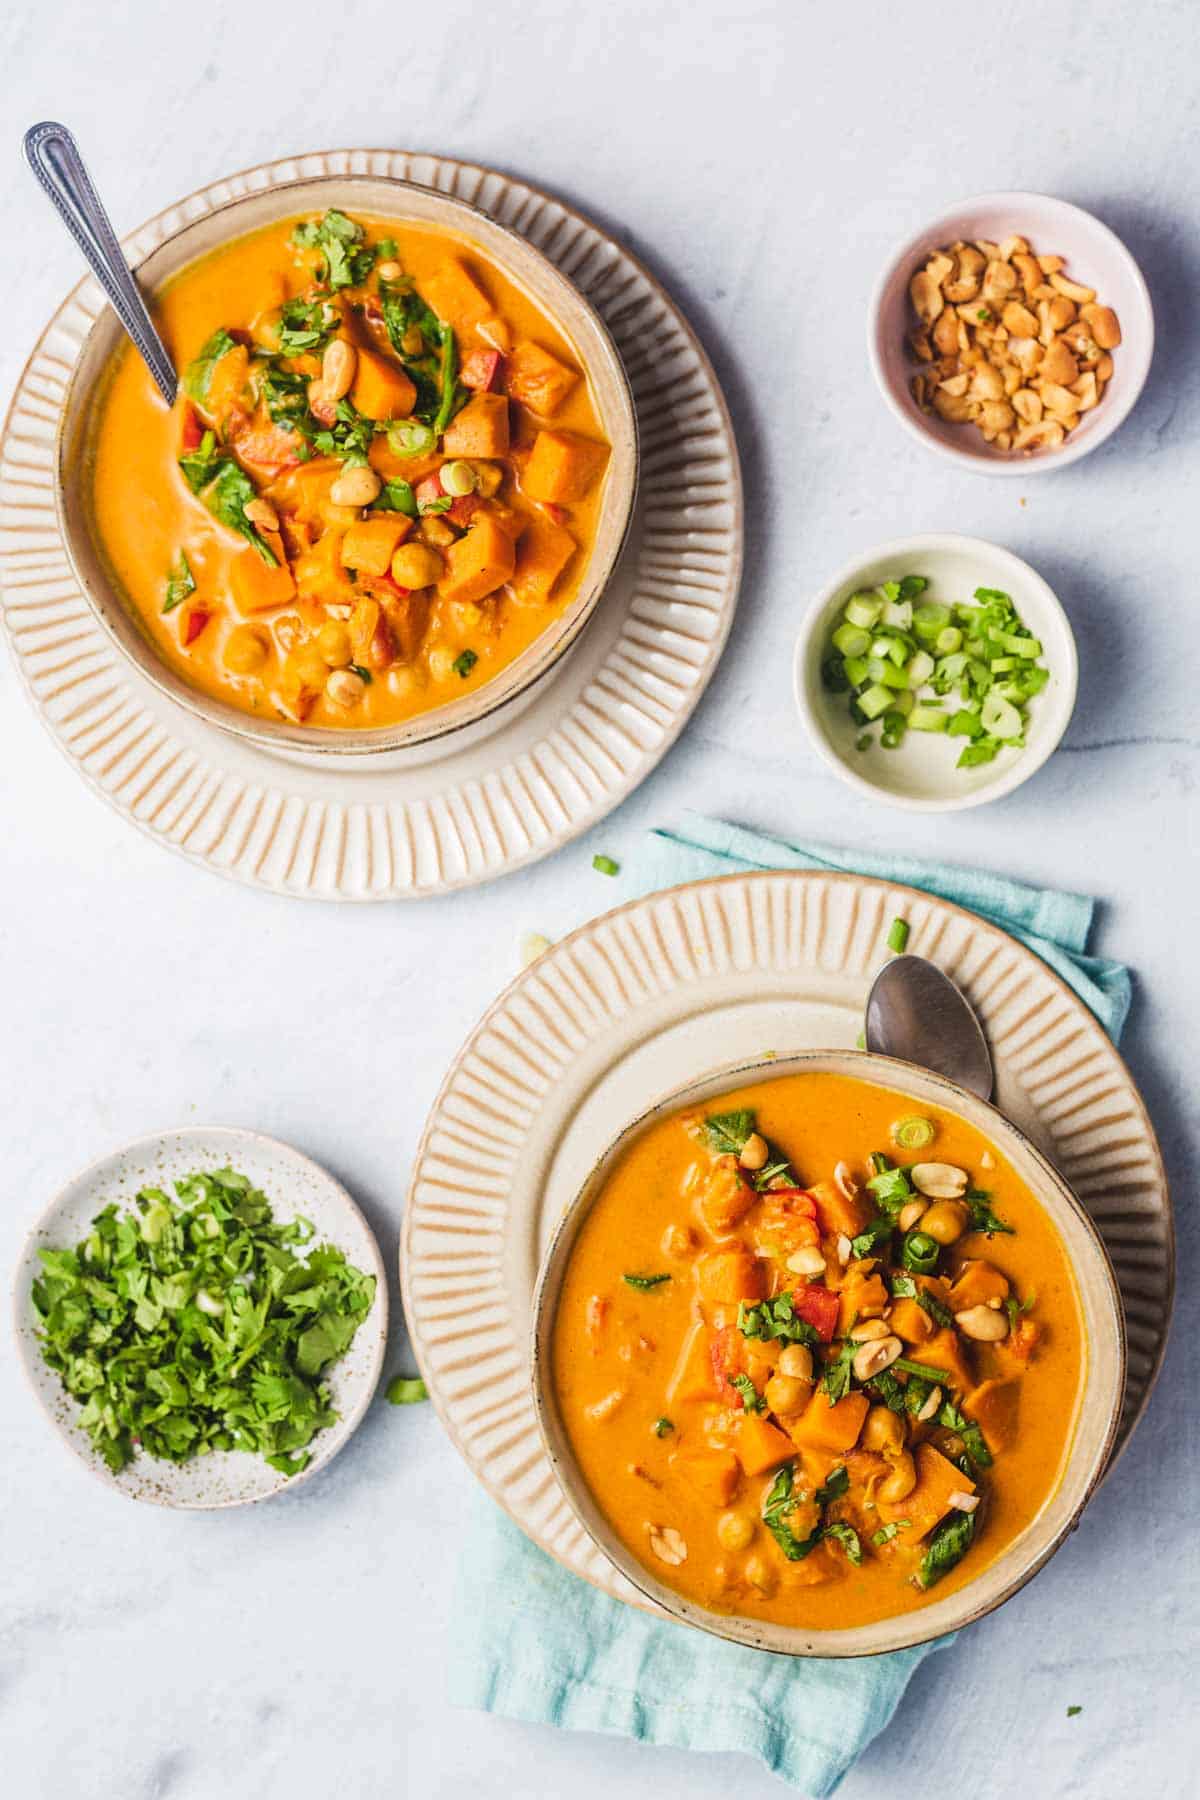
(441, 662)
(945, 1221)
(759, 1574)
(785, 1394)
(488, 478)
(288, 631)
(416, 566)
(883, 1432)
(345, 688)
(333, 642)
(403, 681)
(899, 1484)
(435, 531)
(246, 649)
(735, 1530)
(754, 1152)
(308, 666)
(796, 1360)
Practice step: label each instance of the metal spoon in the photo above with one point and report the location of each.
(53, 155)
(916, 1013)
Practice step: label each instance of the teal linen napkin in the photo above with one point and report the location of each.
(538, 1644)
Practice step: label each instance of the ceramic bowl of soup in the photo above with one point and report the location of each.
(397, 478)
(828, 1358)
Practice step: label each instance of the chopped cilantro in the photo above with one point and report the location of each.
(1073, 1712)
(462, 665)
(663, 1427)
(752, 1400)
(886, 1533)
(306, 326)
(780, 1500)
(201, 464)
(364, 675)
(348, 260)
(776, 1318)
(877, 1232)
(905, 1288)
(838, 1372)
(982, 1217)
(974, 1442)
(192, 1325)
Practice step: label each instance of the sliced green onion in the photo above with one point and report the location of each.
(851, 640)
(410, 438)
(920, 668)
(898, 614)
(914, 1134)
(928, 718)
(874, 702)
(857, 670)
(1000, 718)
(897, 937)
(406, 1390)
(919, 1252)
(863, 610)
(948, 641)
(604, 865)
(929, 619)
(457, 478)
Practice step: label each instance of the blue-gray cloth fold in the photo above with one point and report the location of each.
(536, 1643)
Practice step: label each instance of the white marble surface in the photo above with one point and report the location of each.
(762, 158)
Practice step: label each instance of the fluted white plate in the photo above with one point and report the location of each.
(664, 990)
(297, 1187)
(596, 726)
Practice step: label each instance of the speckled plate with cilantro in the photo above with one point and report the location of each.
(286, 1305)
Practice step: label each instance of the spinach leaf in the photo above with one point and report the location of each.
(974, 1442)
(180, 584)
(727, 1132)
(778, 1503)
(886, 1533)
(847, 1537)
(227, 497)
(201, 464)
(837, 1484)
(876, 1233)
(948, 1545)
(197, 377)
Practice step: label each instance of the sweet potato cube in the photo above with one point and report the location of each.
(944, 1350)
(319, 572)
(537, 379)
(993, 1406)
(929, 1501)
(381, 389)
(836, 1214)
(545, 551)
(726, 1276)
(479, 563)
(713, 1473)
(454, 294)
(979, 1283)
(562, 466)
(864, 1296)
(480, 429)
(692, 1377)
(824, 1427)
(368, 546)
(761, 1445)
(910, 1322)
(257, 588)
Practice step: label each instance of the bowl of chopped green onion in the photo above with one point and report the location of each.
(936, 672)
(203, 1316)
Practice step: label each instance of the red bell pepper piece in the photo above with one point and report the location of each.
(191, 431)
(429, 490)
(481, 370)
(819, 1308)
(725, 1354)
(194, 624)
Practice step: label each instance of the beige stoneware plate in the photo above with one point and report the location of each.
(296, 1187)
(453, 814)
(1097, 1413)
(661, 991)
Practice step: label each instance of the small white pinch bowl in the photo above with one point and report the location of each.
(921, 775)
(295, 1185)
(1094, 256)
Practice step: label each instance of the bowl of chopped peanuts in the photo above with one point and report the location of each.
(1013, 334)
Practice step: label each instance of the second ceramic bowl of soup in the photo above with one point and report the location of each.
(118, 521)
(663, 1357)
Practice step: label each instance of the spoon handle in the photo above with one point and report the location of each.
(53, 155)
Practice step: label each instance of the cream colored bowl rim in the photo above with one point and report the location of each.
(572, 311)
(1100, 1406)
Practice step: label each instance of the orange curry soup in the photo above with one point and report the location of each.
(379, 484)
(799, 1387)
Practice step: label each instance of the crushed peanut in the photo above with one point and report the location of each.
(1008, 343)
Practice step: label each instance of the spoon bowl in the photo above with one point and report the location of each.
(917, 1015)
